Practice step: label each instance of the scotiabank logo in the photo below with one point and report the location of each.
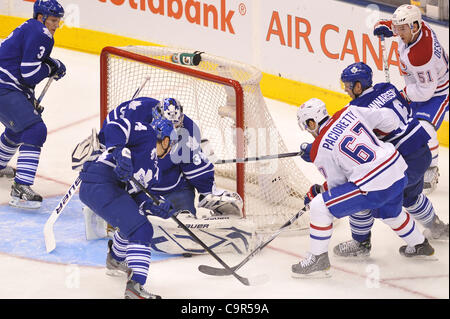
(195, 12)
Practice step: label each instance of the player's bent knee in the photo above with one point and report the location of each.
(143, 235)
(35, 135)
(319, 213)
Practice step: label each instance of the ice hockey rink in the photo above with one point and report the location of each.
(75, 269)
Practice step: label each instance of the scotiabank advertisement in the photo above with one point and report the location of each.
(303, 40)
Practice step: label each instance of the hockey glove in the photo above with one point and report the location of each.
(124, 165)
(163, 209)
(305, 150)
(57, 68)
(315, 190)
(383, 27)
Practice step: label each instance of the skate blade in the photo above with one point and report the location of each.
(115, 273)
(314, 275)
(20, 203)
(356, 257)
(422, 257)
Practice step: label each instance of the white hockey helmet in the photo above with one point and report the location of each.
(313, 109)
(407, 14)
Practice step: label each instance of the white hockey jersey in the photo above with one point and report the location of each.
(347, 150)
(424, 66)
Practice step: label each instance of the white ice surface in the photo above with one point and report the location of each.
(72, 109)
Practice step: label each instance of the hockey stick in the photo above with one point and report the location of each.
(245, 281)
(38, 106)
(257, 158)
(385, 62)
(213, 271)
(49, 235)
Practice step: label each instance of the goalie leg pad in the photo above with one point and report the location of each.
(220, 234)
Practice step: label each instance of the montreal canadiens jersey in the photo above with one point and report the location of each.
(21, 56)
(424, 66)
(187, 164)
(347, 150)
(409, 136)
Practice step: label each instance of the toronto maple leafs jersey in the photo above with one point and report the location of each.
(140, 139)
(187, 164)
(347, 150)
(409, 136)
(424, 66)
(21, 57)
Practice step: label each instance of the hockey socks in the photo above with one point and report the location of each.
(119, 247)
(360, 224)
(7, 150)
(27, 164)
(320, 238)
(138, 259)
(422, 210)
(405, 227)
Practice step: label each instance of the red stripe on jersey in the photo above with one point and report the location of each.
(377, 168)
(441, 110)
(343, 197)
(440, 86)
(321, 228)
(422, 51)
(404, 224)
(316, 143)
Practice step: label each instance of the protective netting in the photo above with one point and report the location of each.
(273, 189)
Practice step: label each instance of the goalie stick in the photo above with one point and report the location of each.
(245, 281)
(49, 235)
(213, 271)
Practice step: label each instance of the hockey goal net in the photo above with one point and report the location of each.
(224, 98)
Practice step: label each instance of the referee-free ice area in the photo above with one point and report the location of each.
(76, 268)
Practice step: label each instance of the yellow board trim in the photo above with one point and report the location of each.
(272, 86)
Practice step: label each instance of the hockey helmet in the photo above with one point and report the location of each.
(407, 14)
(357, 72)
(48, 8)
(170, 109)
(313, 109)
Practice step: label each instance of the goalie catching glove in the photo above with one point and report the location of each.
(222, 202)
(87, 150)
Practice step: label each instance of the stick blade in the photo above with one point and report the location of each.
(49, 236)
(213, 271)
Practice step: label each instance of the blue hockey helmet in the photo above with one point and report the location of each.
(357, 72)
(48, 8)
(164, 128)
(172, 110)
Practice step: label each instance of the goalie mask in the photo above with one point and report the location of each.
(313, 109)
(170, 109)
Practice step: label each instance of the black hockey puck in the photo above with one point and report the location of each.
(187, 255)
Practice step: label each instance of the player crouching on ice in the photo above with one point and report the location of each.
(361, 173)
(133, 150)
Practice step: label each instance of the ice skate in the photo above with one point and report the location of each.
(134, 290)
(113, 267)
(420, 251)
(438, 230)
(430, 180)
(312, 267)
(23, 196)
(8, 172)
(353, 248)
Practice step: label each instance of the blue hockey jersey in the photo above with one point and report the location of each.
(21, 57)
(410, 135)
(186, 163)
